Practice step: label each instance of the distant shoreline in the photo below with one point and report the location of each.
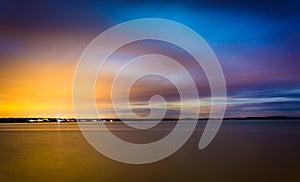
(65, 120)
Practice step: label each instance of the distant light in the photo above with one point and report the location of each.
(59, 120)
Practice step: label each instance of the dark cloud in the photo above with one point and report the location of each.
(52, 15)
(58, 14)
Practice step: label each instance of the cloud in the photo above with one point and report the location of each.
(257, 43)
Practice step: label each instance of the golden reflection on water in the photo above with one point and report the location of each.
(59, 152)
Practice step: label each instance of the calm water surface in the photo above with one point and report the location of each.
(241, 151)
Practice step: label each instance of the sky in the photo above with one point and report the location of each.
(256, 43)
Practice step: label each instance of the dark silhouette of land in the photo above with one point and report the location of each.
(59, 120)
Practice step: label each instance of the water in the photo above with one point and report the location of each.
(241, 151)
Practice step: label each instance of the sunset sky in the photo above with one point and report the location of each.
(257, 44)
